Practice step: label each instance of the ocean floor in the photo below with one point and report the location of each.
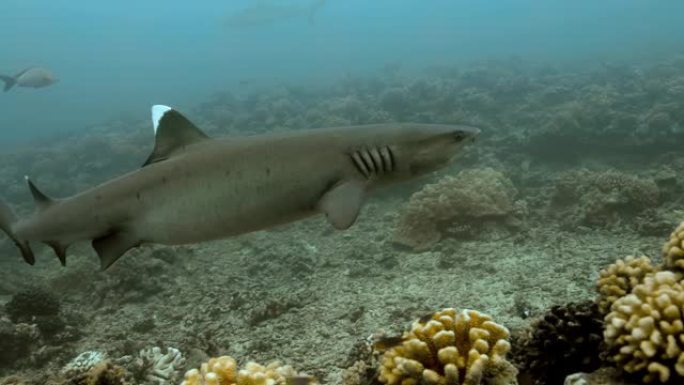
(584, 169)
(308, 295)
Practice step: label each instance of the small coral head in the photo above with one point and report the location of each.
(451, 347)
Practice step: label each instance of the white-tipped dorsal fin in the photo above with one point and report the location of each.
(173, 132)
(42, 200)
(158, 111)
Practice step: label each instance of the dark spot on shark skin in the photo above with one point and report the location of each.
(164, 180)
(227, 173)
(268, 171)
(137, 195)
(98, 197)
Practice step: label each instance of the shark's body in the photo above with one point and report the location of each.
(195, 189)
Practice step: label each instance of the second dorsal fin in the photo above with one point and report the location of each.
(173, 131)
(42, 201)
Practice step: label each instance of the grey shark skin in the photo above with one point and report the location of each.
(193, 188)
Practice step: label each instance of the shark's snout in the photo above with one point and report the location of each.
(466, 134)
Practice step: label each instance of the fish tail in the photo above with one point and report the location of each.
(9, 82)
(7, 220)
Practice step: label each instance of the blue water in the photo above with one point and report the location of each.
(116, 58)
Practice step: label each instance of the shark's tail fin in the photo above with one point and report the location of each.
(9, 82)
(7, 219)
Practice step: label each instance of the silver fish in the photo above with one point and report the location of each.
(33, 77)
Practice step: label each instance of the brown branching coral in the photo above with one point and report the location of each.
(645, 330)
(471, 197)
(563, 341)
(104, 373)
(16, 341)
(452, 347)
(224, 371)
(602, 199)
(673, 251)
(618, 279)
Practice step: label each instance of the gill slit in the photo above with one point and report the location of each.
(360, 165)
(374, 161)
(369, 161)
(388, 156)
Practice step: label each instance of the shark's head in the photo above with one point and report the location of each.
(423, 148)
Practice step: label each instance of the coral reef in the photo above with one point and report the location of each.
(153, 367)
(16, 341)
(644, 331)
(601, 198)
(102, 373)
(224, 371)
(618, 279)
(361, 372)
(41, 307)
(451, 347)
(217, 371)
(624, 117)
(455, 204)
(673, 250)
(83, 363)
(150, 366)
(13, 380)
(563, 341)
(602, 376)
(30, 303)
(37, 330)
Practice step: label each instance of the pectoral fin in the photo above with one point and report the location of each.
(342, 203)
(111, 247)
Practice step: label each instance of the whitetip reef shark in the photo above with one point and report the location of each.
(193, 188)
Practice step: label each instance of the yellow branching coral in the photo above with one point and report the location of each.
(224, 371)
(620, 278)
(459, 348)
(673, 251)
(645, 329)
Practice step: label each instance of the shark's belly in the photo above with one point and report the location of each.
(206, 225)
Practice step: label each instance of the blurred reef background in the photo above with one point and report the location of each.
(550, 249)
(573, 170)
